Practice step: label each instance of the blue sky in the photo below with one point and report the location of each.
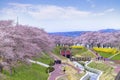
(63, 15)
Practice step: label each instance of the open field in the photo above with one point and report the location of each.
(117, 57)
(106, 55)
(78, 51)
(28, 72)
(82, 53)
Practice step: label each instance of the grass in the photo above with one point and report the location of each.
(78, 51)
(44, 59)
(108, 71)
(56, 51)
(106, 55)
(100, 66)
(117, 57)
(82, 52)
(88, 54)
(72, 74)
(29, 72)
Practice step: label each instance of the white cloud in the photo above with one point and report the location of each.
(57, 18)
(105, 12)
(45, 11)
(110, 10)
(55, 12)
(50, 12)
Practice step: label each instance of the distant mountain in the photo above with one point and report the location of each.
(69, 34)
(79, 33)
(109, 30)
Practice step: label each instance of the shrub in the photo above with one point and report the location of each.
(50, 69)
(51, 63)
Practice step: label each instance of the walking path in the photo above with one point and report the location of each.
(40, 63)
(57, 72)
(117, 69)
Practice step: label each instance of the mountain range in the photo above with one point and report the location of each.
(79, 33)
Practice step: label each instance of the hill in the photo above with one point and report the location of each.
(108, 30)
(69, 34)
(20, 41)
(79, 33)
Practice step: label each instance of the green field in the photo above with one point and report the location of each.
(82, 52)
(107, 55)
(44, 59)
(78, 51)
(56, 51)
(117, 57)
(28, 72)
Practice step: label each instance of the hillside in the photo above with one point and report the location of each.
(18, 42)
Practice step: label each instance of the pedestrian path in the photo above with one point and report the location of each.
(40, 63)
(57, 72)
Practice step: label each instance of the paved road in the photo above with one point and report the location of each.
(117, 69)
(57, 72)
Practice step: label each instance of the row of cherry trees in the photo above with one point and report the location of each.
(18, 42)
(91, 39)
